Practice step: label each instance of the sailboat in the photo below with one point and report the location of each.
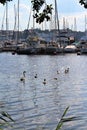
(35, 48)
(7, 43)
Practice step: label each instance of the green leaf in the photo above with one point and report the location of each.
(62, 120)
(68, 119)
(59, 125)
(7, 115)
(65, 111)
(3, 119)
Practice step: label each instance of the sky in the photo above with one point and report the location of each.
(71, 15)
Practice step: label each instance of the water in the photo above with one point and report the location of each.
(35, 106)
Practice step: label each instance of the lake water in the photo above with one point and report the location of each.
(35, 106)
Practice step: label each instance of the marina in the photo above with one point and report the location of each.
(43, 60)
(35, 103)
(41, 42)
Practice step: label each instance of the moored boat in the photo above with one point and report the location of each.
(83, 50)
(27, 51)
(70, 49)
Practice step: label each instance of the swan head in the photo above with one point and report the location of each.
(24, 73)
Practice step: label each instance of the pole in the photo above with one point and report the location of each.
(6, 20)
(18, 24)
(57, 21)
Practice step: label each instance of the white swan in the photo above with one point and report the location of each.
(35, 76)
(58, 72)
(23, 77)
(55, 78)
(67, 70)
(44, 82)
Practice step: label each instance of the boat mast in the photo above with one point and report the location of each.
(14, 31)
(28, 25)
(56, 17)
(2, 27)
(6, 20)
(55, 14)
(33, 20)
(18, 24)
(85, 25)
(57, 22)
(15, 18)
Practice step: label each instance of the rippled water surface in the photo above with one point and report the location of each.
(35, 106)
